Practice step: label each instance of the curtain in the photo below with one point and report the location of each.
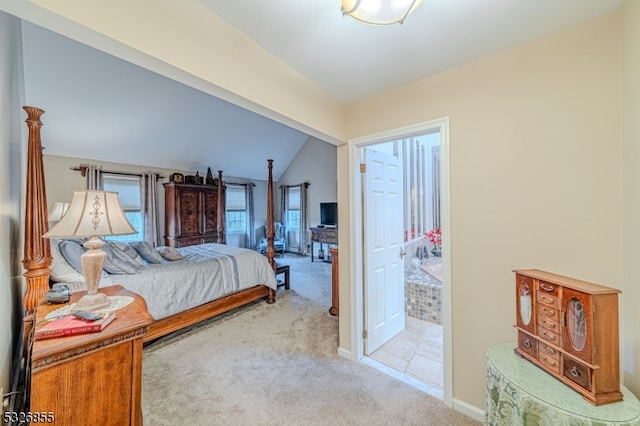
(250, 217)
(284, 205)
(300, 201)
(284, 214)
(435, 153)
(94, 178)
(149, 207)
(304, 225)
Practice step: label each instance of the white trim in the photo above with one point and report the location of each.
(355, 270)
(468, 410)
(422, 387)
(345, 353)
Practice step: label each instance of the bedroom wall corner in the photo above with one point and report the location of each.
(630, 339)
(314, 163)
(12, 160)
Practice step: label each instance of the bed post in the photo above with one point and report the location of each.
(37, 252)
(270, 232)
(221, 213)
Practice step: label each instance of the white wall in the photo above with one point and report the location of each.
(12, 155)
(535, 160)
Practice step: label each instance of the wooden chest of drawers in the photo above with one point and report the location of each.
(569, 328)
(94, 378)
(191, 214)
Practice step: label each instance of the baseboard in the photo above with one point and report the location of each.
(468, 410)
(345, 354)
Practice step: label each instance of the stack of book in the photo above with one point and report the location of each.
(70, 325)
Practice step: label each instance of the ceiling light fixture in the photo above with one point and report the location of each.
(379, 12)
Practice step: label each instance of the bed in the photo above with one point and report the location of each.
(207, 280)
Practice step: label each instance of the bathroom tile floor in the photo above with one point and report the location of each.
(415, 352)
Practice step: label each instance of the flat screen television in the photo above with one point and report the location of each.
(329, 214)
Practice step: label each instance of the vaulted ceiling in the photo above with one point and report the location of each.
(101, 107)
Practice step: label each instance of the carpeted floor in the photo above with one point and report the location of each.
(277, 365)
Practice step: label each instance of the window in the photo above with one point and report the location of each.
(293, 210)
(128, 189)
(236, 205)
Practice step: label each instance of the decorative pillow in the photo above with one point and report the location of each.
(170, 253)
(61, 271)
(126, 251)
(147, 251)
(117, 262)
(71, 251)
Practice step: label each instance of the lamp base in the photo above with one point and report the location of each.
(92, 302)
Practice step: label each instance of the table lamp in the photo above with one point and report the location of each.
(57, 211)
(92, 214)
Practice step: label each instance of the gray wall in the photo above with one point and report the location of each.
(315, 163)
(12, 156)
(61, 182)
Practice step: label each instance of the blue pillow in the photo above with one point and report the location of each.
(71, 251)
(117, 263)
(126, 251)
(147, 251)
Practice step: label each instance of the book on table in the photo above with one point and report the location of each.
(70, 325)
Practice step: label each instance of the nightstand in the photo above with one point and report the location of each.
(93, 378)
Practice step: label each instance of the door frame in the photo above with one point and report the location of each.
(356, 270)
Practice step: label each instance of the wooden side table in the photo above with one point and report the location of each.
(93, 378)
(335, 286)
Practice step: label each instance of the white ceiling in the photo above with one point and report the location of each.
(100, 107)
(353, 61)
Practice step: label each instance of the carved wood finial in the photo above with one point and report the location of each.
(37, 252)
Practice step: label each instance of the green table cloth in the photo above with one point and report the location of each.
(520, 393)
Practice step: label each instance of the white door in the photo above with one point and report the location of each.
(384, 314)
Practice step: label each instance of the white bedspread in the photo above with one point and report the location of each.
(207, 272)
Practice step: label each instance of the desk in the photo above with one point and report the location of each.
(328, 236)
(520, 393)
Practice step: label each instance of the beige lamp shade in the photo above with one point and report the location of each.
(91, 214)
(57, 211)
(380, 12)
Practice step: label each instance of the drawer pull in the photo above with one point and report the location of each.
(549, 312)
(546, 299)
(550, 362)
(189, 212)
(527, 343)
(574, 371)
(548, 350)
(548, 336)
(546, 287)
(549, 324)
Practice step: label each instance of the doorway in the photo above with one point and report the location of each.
(358, 319)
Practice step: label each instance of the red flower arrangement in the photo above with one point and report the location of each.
(435, 238)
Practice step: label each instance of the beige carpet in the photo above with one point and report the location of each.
(277, 365)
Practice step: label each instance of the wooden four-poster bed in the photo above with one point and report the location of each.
(38, 257)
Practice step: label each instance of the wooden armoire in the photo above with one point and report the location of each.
(194, 214)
